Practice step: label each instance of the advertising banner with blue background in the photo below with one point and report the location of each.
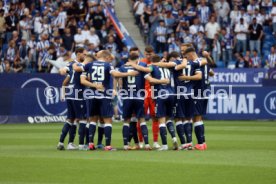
(247, 103)
(238, 77)
(23, 99)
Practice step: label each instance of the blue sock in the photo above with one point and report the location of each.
(180, 131)
(92, 130)
(126, 133)
(188, 130)
(100, 133)
(65, 130)
(107, 133)
(82, 132)
(199, 131)
(170, 128)
(72, 132)
(133, 130)
(163, 133)
(130, 132)
(87, 134)
(145, 132)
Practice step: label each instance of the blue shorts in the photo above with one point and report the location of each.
(185, 107)
(200, 106)
(165, 107)
(76, 109)
(99, 107)
(133, 106)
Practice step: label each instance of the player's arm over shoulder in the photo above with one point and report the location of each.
(181, 65)
(78, 67)
(165, 64)
(121, 74)
(153, 80)
(141, 66)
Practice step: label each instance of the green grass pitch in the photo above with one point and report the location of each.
(238, 152)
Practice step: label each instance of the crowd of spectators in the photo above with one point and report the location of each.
(233, 31)
(32, 31)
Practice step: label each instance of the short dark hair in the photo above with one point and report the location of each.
(155, 58)
(133, 57)
(149, 49)
(133, 49)
(79, 50)
(188, 50)
(173, 55)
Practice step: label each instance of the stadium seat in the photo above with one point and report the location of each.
(220, 64)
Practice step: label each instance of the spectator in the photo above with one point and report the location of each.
(98, 18)
(11, 52)
(241, 30)
(247, 57)
(91, 49)
(216, 51)
(256, 34)
(17, 66)
(61, 20)
(196, 27)
(37, 23)
(32, 52)
(85, 32)
(44, 43)
(203, 12)
(68, 40)
(111, 45)
(124, 55)
(190, 12)
(172, 44)
(43, 66)
(79, 38)
(81, 23)
(161, 34)
(259, 17)
(145, 22)
(241, 63)
(233, 15)
(271, 58)
(138, 9)
(255, 61)
(211, 28)
(227, 44)
(252, 7)
(2, 26)
(200, 42)
(23, 53)
(243, 15)
(93, 37)
(170, 22)
(222, 10)
(154, 22)
(11, 24)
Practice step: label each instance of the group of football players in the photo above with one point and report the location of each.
(173, 90)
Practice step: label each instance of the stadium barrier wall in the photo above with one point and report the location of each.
(23, 98)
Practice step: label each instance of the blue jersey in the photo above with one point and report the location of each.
(204, 83)
(133, 86)
(100, 72)
(75, 89)
(161, 90)
(190, 70)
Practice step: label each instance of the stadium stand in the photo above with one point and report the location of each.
(33, 31)
(228, 29)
